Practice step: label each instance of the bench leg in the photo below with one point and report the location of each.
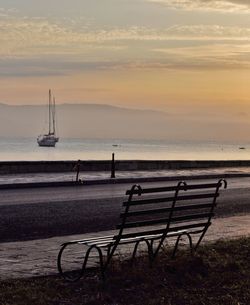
(110, 252)
(76, 278)
(178, 240)
(200, 239)
(102, 267)
(135, 250)
(59, 266)
(149, 246)
(154, 254)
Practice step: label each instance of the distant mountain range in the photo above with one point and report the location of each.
(107, 122)
(83, 120)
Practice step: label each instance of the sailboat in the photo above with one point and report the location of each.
(50, 139)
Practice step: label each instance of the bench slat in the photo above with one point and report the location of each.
(164, 220)
(161, 231)
(170, 199)
(166, 210)
(171, 188)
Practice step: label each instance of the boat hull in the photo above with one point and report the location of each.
(47, 141)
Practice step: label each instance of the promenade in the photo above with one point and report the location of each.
(35, 221)
(38, 257)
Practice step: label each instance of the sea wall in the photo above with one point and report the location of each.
(15, 167)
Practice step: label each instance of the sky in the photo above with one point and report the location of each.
(186, 57)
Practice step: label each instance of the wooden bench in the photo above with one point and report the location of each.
(151, 216)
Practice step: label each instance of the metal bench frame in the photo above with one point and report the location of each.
(153, 238)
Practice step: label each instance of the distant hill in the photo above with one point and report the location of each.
(83, 120)
(107, 122)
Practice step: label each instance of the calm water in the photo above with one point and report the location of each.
(73, 149)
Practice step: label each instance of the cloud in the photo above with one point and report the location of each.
(215, 56)
(199, 33)
(51, 66)
(40, 47)
(5, 13)
(20, 37)
(23, 37)
(239, 6)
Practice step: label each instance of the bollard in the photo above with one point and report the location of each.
(77, 168)
(113, 166)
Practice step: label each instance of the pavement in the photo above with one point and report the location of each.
(38, 257)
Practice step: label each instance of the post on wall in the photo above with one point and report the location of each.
(113, 166)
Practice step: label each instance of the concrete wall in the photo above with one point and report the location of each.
(67, 166)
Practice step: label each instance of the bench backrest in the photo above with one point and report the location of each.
(168, 209)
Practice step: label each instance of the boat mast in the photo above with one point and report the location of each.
(53, 115)
(49, 111)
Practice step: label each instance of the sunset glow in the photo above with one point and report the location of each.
(178, 56)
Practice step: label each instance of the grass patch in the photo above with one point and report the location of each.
(218, 274)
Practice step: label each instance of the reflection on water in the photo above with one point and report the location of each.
(72, 149)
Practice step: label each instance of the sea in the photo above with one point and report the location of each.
(27, 149)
